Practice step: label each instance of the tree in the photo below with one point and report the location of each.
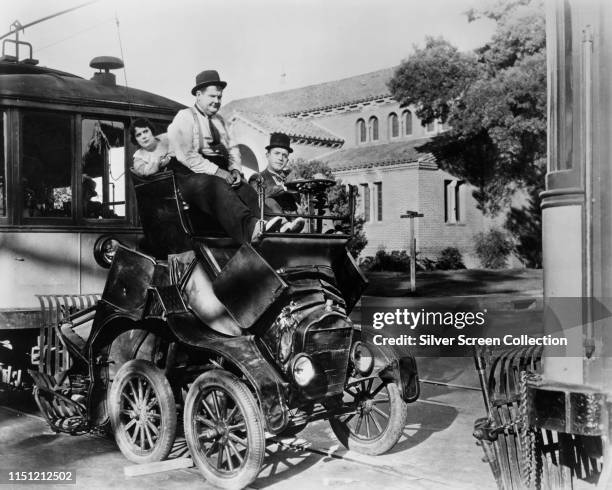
(526, 222)
(337, 198)
(494, 103)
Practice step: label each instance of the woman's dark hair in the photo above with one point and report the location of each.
(140, 123)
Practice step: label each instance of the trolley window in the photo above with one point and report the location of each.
(103, 169)
(46, 172)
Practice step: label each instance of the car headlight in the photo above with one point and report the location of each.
(105, 249)
(303, 370)
(362, 358)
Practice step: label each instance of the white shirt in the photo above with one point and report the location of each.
(184, 138)
(149, 162)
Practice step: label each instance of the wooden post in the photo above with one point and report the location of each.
(412, 215)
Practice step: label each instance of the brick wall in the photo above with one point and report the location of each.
(400, 193)
(409, 187)
(435, 231)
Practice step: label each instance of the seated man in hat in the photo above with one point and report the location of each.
(91, 208)
(209, 170)
(273, 178)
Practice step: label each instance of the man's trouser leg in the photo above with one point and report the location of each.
(272, 205)
(236, 210)
(248, 196)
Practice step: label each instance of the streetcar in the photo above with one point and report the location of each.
(548, 422)
(65, 153)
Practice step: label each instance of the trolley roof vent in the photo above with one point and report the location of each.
(105, 63)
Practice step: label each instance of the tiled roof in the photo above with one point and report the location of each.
(375, 155)
(347, 91)
(292, 126)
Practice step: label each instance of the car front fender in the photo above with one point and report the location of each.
(403, 371)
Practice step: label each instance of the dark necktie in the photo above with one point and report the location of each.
(214, 133)
(279, 177)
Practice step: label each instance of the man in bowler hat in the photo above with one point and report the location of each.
(209, 172)
(273, 178)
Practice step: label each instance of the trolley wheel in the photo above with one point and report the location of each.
(142, 412)
(378, 419)
(224, 429)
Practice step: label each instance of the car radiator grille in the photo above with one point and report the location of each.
(329, 349)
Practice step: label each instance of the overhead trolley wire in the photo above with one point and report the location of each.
(18, 27)
(75, 34)
(127, 92)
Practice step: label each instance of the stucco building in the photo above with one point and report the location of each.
(370, 141)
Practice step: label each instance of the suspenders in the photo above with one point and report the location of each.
(198, 128)
(220, 160)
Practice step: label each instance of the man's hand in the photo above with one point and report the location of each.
(275, 191)
(225, 175)
(237, 178)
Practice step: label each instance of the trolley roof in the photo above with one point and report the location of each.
(23, 81)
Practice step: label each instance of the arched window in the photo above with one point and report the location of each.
(407, 117)
(374, 128)
(454, 201)
(430, 127)
(393, 125)
(248, 158)
(361, 131)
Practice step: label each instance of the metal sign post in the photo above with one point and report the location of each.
(412, 215)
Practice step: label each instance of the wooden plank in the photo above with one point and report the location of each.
(55, 342)
(157, 467)
(54, 308)
(512, 445)
(501, 450)
(508, 415)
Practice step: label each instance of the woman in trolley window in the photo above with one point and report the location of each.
(153, 154)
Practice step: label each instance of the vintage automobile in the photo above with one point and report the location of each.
(245, 341)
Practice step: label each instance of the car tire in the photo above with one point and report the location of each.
(378, 420)
(142, 412)
(224, 429)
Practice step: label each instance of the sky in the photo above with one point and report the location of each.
(258, 46)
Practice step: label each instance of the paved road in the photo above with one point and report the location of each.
(436, 451)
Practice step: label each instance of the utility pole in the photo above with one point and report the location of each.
(411, 215)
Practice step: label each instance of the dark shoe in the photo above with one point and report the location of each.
(295, 226)
(269, 226)
(274, 224)
(263, 226)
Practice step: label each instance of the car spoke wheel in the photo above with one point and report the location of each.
(142, 412)
(224, 429)
(375, 417)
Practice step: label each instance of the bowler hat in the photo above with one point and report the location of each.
(89, 186)
(280, 140)
(206, 78)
